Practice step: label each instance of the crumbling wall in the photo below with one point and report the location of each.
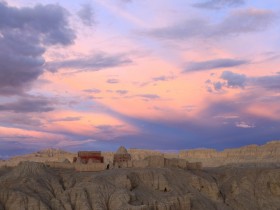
(156, 161)
(140, 163)
(90, 167)
(161, 162)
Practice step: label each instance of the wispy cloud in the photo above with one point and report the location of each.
(244, 125)
(93, 90)
(214, 64)
(112, 81)
(71, 143)
(94, 62)
(149, 96)
(86, 14)
(163, 78)
(121, 13)
(66, 119)
(219, 4)
(122, 92)
(253, 20)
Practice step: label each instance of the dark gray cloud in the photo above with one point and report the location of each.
(91, 63)
(234, 80)
(230, 80)
(49, 22)
(219, 4)
(86, 14)
(271, 82)
(112, 81)
(28, 104)
(214, 64)
(218, 85)
(253, 20)
(25, 34)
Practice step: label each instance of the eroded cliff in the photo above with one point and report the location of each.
(31, 186)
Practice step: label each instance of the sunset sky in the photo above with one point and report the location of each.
(151, 74)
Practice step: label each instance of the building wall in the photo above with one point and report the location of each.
(90, 167)
(118, 158)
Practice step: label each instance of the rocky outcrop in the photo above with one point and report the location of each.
(268, 153)
(29, 186)
(140, 154)
(47, 155)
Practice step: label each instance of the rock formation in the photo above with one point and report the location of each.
(254, 154)
(33, 186)
(249, 179)
(51, 155)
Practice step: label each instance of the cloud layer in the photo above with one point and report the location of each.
(214, 64)
(95, 62)
(148, 75)
(253, 20)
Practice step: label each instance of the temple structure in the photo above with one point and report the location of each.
(121, 156)
(94, 161)
(89, 157)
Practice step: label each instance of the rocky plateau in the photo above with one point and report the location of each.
(246, 178)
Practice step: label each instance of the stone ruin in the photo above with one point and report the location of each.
(93, 161)
(121, 157)
(86, 157)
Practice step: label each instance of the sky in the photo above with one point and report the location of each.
(161, 74)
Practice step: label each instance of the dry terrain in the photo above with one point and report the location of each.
(31, 186)
(246, 178)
